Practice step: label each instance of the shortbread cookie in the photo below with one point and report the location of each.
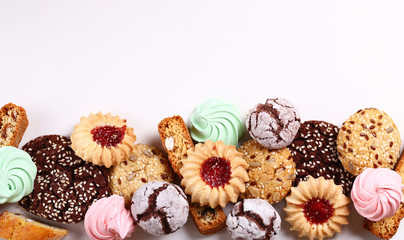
(13, 123)
(145, 164)
(387, 228)
(65, 185)
(103, 139)
(314, 151)
(176, 140)
(160, 208)
(253, 219)
(271, 172)
(214, 173)
(14, 226)
(317, 208)
(274, 124)
(369, 138)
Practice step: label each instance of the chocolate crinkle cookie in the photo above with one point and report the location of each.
(65, 185)
(314, 151)
(253, 219)
(274, 124)
(159, 207)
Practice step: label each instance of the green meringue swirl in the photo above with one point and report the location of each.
(17, 174)
(216, 120)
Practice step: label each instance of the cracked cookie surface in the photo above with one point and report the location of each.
(273, 124)
(253, 219)
(145, 164)
(159, 207)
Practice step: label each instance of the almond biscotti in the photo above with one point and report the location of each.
(176, 141)
(13, 123)
(16, 227)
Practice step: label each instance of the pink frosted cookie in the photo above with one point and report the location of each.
(253, 219)
(274, 124)
(107, 218)
(377, 193)
(160, 207)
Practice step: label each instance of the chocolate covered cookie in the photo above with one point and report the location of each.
(274, 124)
(314, 151)
(65, 185)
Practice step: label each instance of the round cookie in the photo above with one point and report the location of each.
(271, 172)
(65, 185)
(274, 124)
(160, 207)
(253, 219)
(145, 164)
(314, 151)
(368, 139)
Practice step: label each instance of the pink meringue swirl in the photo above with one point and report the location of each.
(377, 193)
(107, 218)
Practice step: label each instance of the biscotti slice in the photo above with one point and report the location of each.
(386, 228)
(13, 123)
(176, 141)
(14, 226)
(207, 220)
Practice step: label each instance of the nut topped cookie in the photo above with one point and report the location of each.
(368, 139)
(271, 172)
(145, 164)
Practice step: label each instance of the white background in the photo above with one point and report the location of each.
(147, 60)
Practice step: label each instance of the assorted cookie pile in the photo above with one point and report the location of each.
(100, 175)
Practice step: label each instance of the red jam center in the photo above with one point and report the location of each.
(215, 171)
(318, 210)
(108, 136)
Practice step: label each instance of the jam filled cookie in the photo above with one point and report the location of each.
(368, 139)
(317, 208)
(271, 172)
(145, 164)
(65, 185)
(103, 139)
(314, 151)
(214, 173)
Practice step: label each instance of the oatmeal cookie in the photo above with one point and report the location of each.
(271, 172)
(368, 139)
